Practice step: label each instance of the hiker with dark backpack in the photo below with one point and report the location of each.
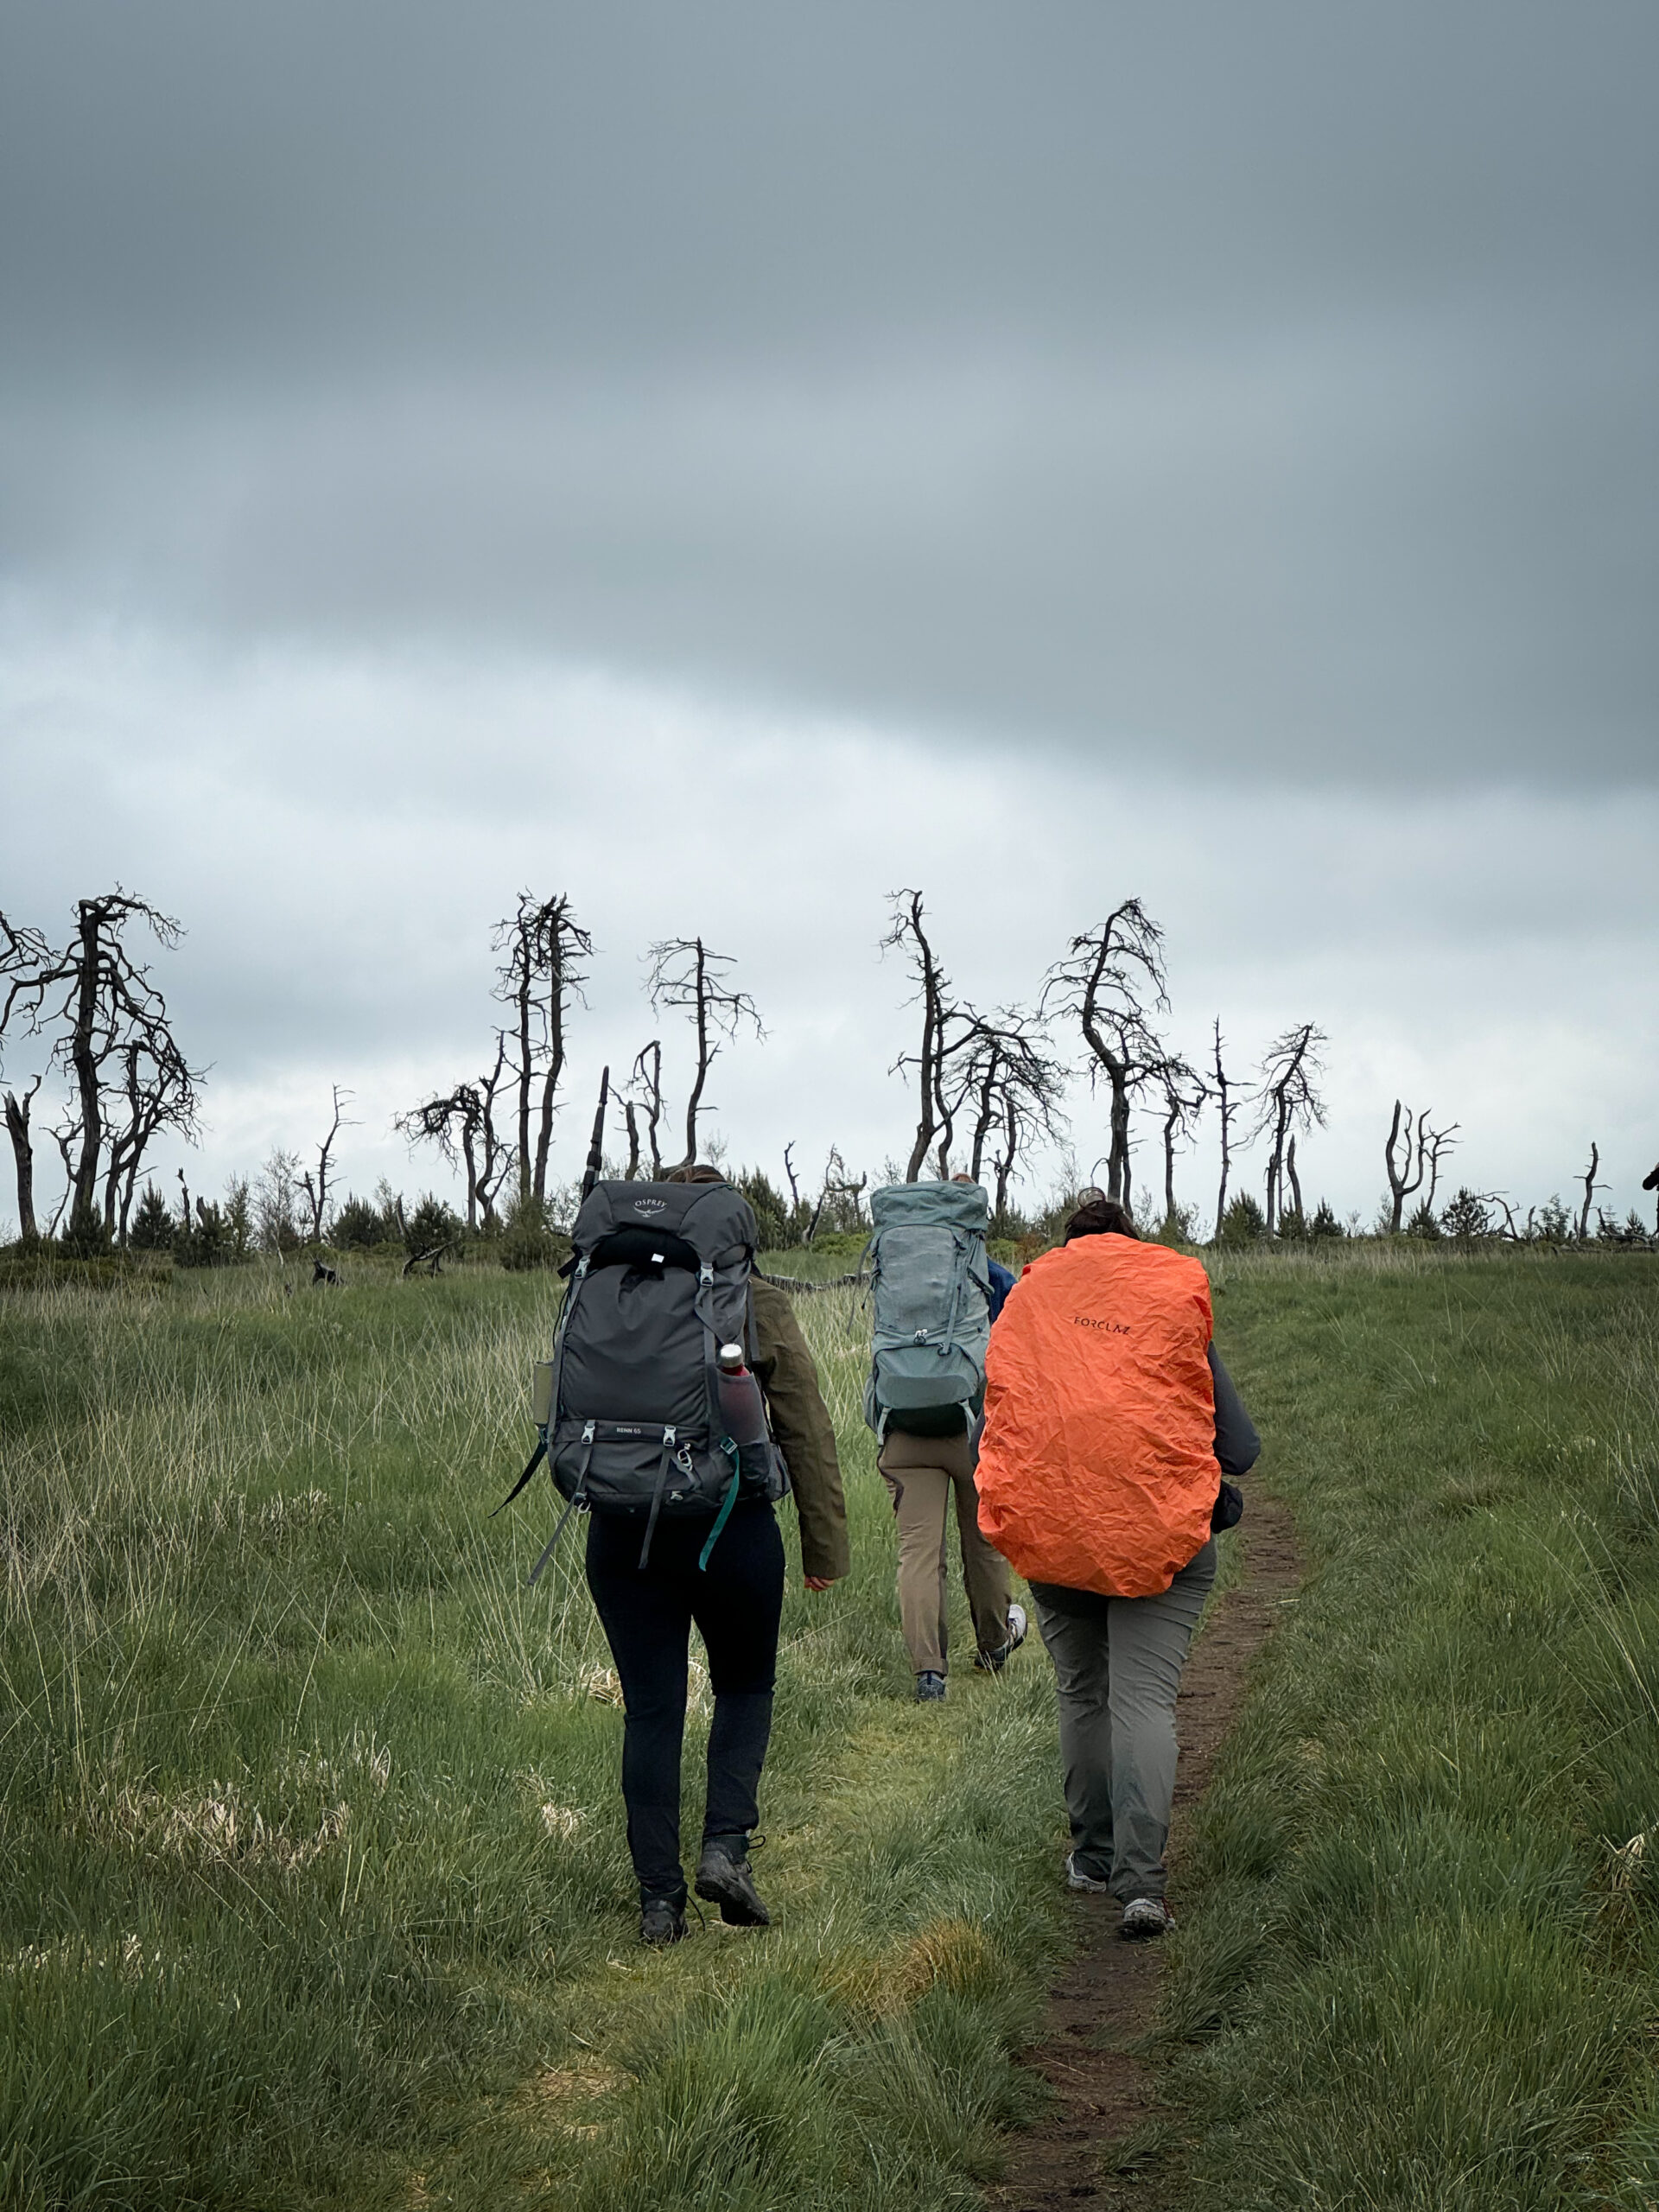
(1110, 1426)
(683, 1403)
(935, 1292)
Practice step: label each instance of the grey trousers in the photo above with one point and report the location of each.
(1117, 1665)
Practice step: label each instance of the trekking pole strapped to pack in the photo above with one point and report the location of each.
(634, 1420)
(931, 1293)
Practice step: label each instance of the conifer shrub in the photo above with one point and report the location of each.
(361, 1226)
(1466, 1217)
(1243, 1223)
(151, 1227)
(528, 1239)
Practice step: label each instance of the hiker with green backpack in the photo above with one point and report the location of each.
(935, 1292)
(683, 1403)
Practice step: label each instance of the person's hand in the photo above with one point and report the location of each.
(818, 1581)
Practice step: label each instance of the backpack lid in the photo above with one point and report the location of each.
(716, 1221)
(932, 1205)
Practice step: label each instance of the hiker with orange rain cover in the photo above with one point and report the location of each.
(1110, 1425)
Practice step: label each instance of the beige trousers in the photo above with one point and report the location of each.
(921, 1473)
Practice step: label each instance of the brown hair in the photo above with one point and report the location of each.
(1099, 1216)
(701, 1174)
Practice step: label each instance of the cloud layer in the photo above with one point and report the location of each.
(1191, 386)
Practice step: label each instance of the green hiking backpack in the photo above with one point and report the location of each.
(931, 1295)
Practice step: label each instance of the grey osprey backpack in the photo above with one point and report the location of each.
(932, 1301)
(660, 1282)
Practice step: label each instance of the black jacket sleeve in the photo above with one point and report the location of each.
(1237, 1446)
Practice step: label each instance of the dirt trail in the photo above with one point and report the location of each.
(1107, 1998)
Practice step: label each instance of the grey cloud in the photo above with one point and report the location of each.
(1273, 390)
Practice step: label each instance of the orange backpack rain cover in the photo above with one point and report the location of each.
(1097, 1466)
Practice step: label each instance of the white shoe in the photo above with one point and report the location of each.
(1074, 1879)
(993, 1663)
(1144, 1917)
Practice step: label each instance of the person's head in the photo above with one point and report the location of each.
(702, 1173)
(1100, 1217)
(962, 1178)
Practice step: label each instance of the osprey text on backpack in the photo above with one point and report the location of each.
(932, 1288)
(632, 1417)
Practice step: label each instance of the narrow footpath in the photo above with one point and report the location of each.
(1107, 1998)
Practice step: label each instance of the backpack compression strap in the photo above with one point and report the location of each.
(668, 1455)
(535, 1461)
(578, 1498)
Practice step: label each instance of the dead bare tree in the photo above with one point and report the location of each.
(907, 933)
(1227, 1107)
(1435, 1145)
(645, 1080)
(837, 1185)
(1651, 1183)
(462, 1124)
(1014, 1085)
(685, 975)
(157, 1092)
(1109, 983)
(1591, 1186)
(315, 1184)
(1186, 1095)
(112, 1014)
(23, 1153)
(23, 953)
(1287, 1100)
(1406, 1173)
(545, 945)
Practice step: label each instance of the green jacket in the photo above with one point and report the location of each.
(800, 1423)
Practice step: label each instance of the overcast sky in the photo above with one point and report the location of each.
(730, 462)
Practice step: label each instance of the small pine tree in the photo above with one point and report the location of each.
(1554, 1223)
(432, 1223)
(358, 1226)
(152, 1226)
(1466, 1217)
(204, 1242)
(1324, 1222)
(239, 1217)
(1293, 1226)
(1423, 1223)
(770, 1212)
(528, 1239)
(1243, 1223)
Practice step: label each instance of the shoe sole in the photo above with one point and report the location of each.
(1146, 1934)
(734, 1908)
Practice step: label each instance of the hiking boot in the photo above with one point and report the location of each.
(1077, 1879)
(930, 1688)
(993, 1663)
(728, 1882)
(661, 1922)
(1145, 1917)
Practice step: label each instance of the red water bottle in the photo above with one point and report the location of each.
(741, 1406)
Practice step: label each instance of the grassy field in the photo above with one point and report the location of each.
(313, 1882)
(1425, 1972)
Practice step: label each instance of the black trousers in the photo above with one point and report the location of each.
(737, 1602)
